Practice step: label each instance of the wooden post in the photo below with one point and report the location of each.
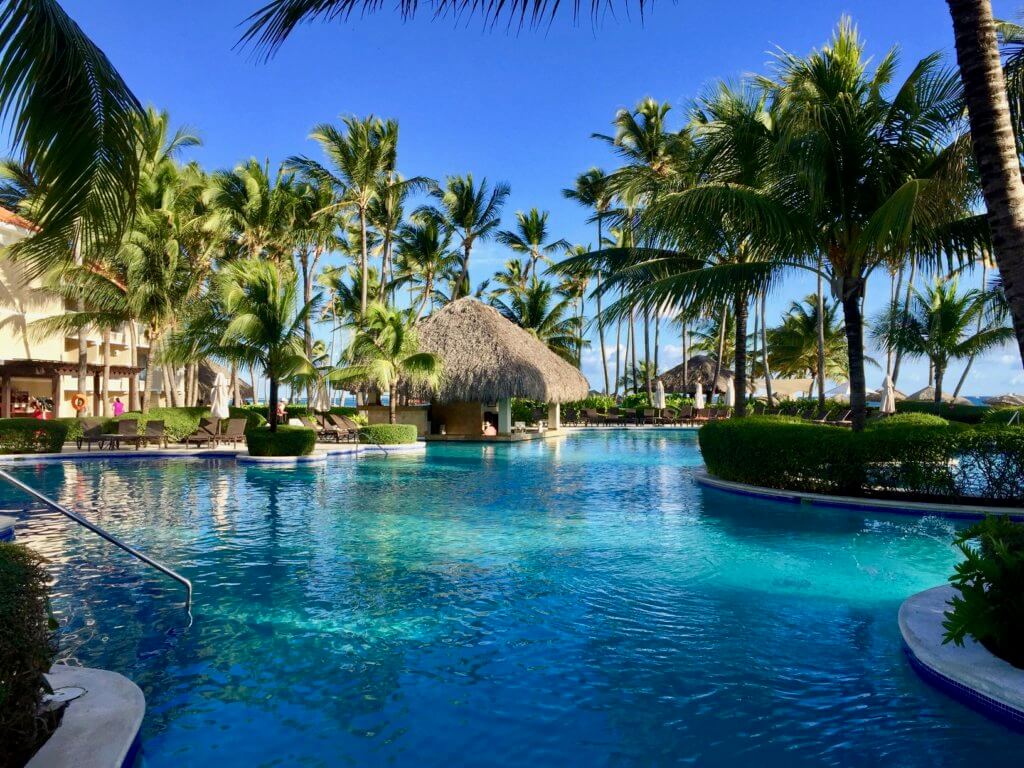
(6, 410)
(96, 394)
(56, 394)
(505, 416)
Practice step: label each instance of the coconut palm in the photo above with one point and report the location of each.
(540, 309)
(469, 212)
(794, 343)
(425, 258)
(265, 322)
(258, 208)
(528, 239)
(385, 353)
(940, 326)
(360, 154)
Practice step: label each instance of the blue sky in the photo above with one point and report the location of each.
(517, 107)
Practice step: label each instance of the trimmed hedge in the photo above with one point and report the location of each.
(968, 414)
(904, 459)
(27, 649)
(1000, 417)
(179, 423)
(32, 435)
(388, 434)
(286, 441)
(253, 419)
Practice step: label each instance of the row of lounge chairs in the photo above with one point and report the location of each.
(835, 416)
(688, 415)
(209, 434)
(332, 426)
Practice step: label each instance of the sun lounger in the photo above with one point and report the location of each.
(127, 432)
(206, 434)
(592, 417)
(347, 428)
(233, 432)
(155, 434)
(843, 421)
(92, 432)
(323, 430)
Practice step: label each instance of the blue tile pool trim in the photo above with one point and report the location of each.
(976, 700)
(861, 505)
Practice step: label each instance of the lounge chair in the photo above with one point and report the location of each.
(206, 434)
(155, 433)
(843, 420)
(347, 428)
(233, 432)
(323, 430)
(592, 417)
(649, 416)
(92, 432)
(127, 432)
(685, 415)
(822, 416)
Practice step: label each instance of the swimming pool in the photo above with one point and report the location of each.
(570, 602)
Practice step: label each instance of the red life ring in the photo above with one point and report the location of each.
(78, 401)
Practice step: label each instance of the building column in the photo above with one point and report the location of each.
(505, 416)
(96, 394)
(56, 394)
(5, 411)
(554, 416)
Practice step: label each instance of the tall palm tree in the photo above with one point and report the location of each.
(360, 154)
(547, 314)
(940, 326)
(592, 191)
(385, 353)
(469, 212)
(425, 257)
(528, 239)
(265, 322)
(794, 343)
(258, 208)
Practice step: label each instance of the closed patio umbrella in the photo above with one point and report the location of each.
(219, 397)
(659, 395)
(888, 405)
(323, 399)
(698, 397)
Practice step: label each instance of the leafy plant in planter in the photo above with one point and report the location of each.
(990, 582)
(388, 434)
(285, 441)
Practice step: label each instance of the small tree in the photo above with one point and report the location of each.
(385, 353)
(265, 323)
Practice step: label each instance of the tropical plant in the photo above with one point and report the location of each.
(540, 309)
(794, 343)
(470, 213)
(424, 258)
(528, 239)
(385, 353)
(265, 321)
(258, 209)
(940, 325)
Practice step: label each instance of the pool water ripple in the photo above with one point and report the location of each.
(570, 602)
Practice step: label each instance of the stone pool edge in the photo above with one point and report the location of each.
(915, 508)
(970, 674)
(100, 728)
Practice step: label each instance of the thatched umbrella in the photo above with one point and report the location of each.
(700, 368)
(208, 371)
(1007, 399)
(486, 359)
(927, 395)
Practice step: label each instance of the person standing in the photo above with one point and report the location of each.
(118, 407)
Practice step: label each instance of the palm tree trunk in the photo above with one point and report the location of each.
(307, 324)
(464, 277)
(939, 373)
(632, 337)
(686, 356)
(365, 263)
(764, 350)
(657, 340)
(600, 327)
(821, 342)
(647, 355)
(83, 343)
(133, 379)
(740, 374)
(106, 373)
(272, 409)
(170, 387)
(970, 360)
(393, 403)
(853, 317)
(618, 350)
(151, 369)
(994, 144)
(721, 349)
(236, 389)
(906, 309)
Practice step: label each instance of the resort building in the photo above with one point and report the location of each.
(45, 369)
(487, 361)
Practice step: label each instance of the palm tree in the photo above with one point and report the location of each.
(259, 209)
(265, 322)
(470, 213)
(591, 191)
(528, 238)
(360, 154)
(794, 344)
(424, 258)
(385, 353)
(543, 311)
(940, 325)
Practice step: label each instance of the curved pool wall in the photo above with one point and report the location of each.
(572, 602)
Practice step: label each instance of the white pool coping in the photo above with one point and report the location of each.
(919, 508)
(969, 673)
(100, 728)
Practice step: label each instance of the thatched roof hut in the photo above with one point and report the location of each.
(700, 368)
(487, 358)
(208, 371)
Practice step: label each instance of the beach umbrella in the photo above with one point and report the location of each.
(698, 397)
(323, 399)
(659, 395)
(730, 393)
(219, 397)
(888, 397)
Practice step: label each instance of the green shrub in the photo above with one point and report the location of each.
(598, 402)
(179, 423)
(522, 410)
(990, 582)
(1000, 417)
(388, 434)
(915, 458)
(253, 419)
(32, 435)
(342, 410)
(901, 420)
(636, 400)
(286, 441)
(968, 414)
(27, 649)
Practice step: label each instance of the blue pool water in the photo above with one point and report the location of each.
(579, 602)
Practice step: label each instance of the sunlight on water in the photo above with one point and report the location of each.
(570, 602)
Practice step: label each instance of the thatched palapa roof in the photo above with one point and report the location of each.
(700, 368)
(487, 358)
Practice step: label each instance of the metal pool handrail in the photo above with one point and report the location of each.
(170, 573)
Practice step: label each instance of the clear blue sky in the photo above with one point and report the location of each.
(518, 107)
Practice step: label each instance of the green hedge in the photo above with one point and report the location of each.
(27, 649)
(253, 419)
(286, 441)
(902, 459)
(32, 435)
(1000, 417)
(388, 434)
(968, 414)
(179, 423)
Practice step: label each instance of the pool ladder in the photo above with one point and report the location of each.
(170, 573)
